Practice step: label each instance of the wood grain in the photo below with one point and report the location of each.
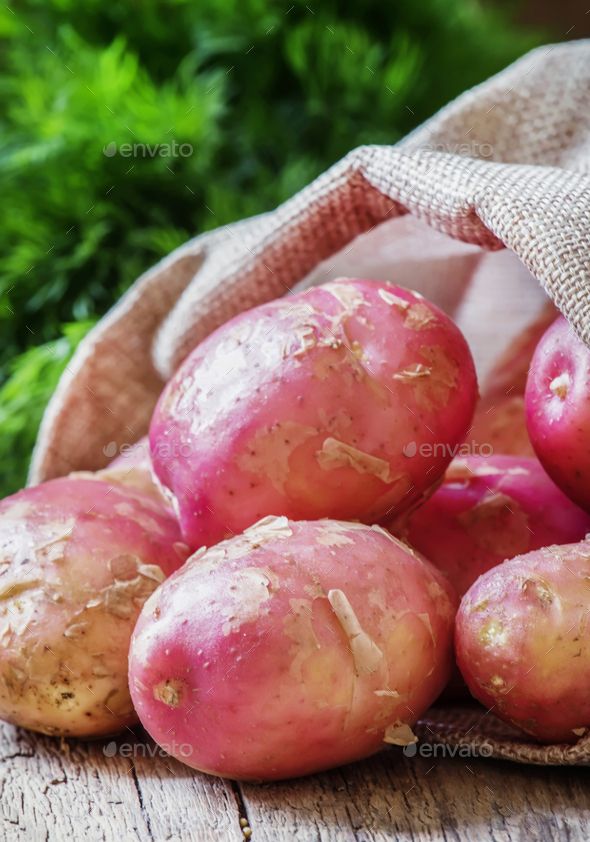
(122, 790)
(127, 790)
(394, 797)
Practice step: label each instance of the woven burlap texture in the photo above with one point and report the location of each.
(504, 166)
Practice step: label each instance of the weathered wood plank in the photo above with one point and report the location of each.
(392, 797)
(47, 793)
(126, 790)
(183, 805)
(122, 790)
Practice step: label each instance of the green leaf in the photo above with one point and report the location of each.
(127, 128)
(24, 396)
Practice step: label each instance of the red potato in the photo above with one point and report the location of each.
(499, 423)
(294, 647)
(488, 510)
(344, 401)
(523, 641)
(78, 558)
(558, 410)
(499, 426)
(510, 371)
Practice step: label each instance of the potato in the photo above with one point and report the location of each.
(499, 426)
(499, 423)
(523, 641)
(558, 410)
(344, 401)
(508, 375)
(78, 558)
(488, 510)
(294, 647)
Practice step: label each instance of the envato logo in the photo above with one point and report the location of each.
(435, 750)
(138, 449)
(163, 450)
(148, 150)
(443, 449)
(473, 149)
(174, 749)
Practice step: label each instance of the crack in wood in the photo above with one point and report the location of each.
(89, 795)
(144, 812)
(16, 754)
(241, 805)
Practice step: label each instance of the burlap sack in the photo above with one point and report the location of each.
(503, 167)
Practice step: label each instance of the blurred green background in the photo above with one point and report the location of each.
(267, 95)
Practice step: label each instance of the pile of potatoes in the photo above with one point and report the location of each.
(294, 567)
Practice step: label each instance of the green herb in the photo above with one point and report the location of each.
(254, 98)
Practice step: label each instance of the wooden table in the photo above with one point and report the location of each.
(126, 791)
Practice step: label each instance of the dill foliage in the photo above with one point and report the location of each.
(126, 128)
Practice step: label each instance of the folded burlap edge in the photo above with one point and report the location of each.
(473, 731)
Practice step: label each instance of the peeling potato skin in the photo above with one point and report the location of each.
(303, 407)
(558, 410)
(78, 558)
(295, 647)
(523, 641)
(489, 509)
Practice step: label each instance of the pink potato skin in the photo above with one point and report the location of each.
(295, 647)
(523, 642)
(558, 410)
(315, 405)
(489, 509)
(78, 557)
(499, 424)
(499, 421)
